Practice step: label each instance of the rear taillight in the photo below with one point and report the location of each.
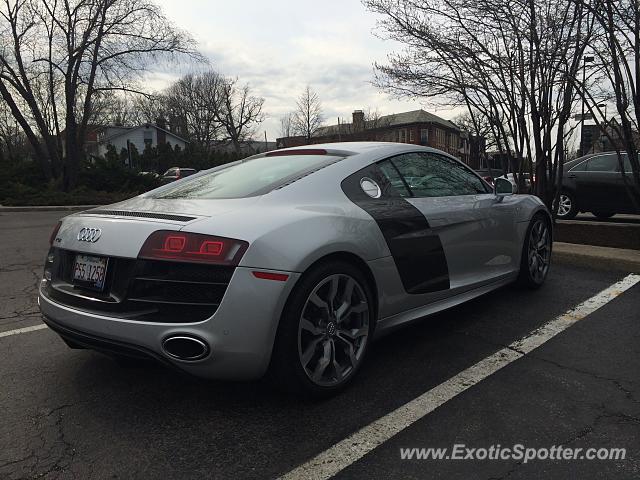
(193, 247)
(54, 234)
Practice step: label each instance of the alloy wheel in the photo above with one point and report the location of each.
(333, 330)
(564, 205)
(539, 254)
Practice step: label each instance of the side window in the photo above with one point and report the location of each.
(433, 175)
(581, 167)
(627, 164)
(394, 178)
(603, 163)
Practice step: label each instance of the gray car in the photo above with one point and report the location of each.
(289, 262)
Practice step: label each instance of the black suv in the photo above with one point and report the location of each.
(594, 183)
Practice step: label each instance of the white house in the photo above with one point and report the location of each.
(141, 136)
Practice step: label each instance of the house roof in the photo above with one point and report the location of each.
(395, 119)
(417, 116)
(131, 129)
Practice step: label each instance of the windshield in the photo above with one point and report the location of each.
(247, 178)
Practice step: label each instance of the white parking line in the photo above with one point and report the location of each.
(351, 449)
(18, 331)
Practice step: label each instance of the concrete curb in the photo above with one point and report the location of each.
(605, 258)
(48, 208)
(602, 234)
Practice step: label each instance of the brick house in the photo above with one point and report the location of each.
(417, 127)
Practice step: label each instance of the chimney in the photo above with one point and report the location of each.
(358, 121)
(162, 136)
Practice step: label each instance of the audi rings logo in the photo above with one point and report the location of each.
(89, 234)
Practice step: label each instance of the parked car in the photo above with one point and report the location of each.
(488, 174)
(151, 174)
(594, 183)
(176, 173)
(289, 260)
(526, 178)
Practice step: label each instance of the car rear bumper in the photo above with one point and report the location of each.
(240, 334)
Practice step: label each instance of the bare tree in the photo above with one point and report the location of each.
(616, 67)
(12, 140)
(374, 119)
(149, 108)
(512, 61)
(308, 114)
(57, 55)
(239, 112)
(479, 125)
(286, 125)
(193, 104)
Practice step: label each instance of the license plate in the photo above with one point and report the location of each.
(90, 271)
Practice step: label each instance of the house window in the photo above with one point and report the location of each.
(411, 136)
(424, 136)
(403, 136)
(148, 138)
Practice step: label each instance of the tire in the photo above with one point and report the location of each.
(536, 252)
(320, 354)
(603, 215)
(568, 208)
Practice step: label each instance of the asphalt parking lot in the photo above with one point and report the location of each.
(78, 414)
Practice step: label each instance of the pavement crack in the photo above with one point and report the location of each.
(617, 382)
(508, 473)
(20, 460)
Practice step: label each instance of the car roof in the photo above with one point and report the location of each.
(576, 161)
(362, 148)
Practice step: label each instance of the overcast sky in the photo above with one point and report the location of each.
(279, 46)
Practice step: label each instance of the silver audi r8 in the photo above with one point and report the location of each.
(289, 262)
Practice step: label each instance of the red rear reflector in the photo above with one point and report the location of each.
(54, 234)
(303, 151)
(280, 277)
(193, 247)
(175, 244)
(211, 248)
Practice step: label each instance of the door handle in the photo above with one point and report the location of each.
(573, 175)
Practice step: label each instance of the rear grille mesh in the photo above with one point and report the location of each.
(125, 213)
(145, 290)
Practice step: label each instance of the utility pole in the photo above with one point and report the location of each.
(603, 128)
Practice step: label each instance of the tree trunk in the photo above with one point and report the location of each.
(236, 145)
(72, 160)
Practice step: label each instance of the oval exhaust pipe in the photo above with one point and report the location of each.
(185, 348)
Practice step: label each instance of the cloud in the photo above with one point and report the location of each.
(279, 47)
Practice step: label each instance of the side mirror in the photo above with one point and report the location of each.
(503, 187)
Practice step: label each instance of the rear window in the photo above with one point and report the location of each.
(246, 178)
